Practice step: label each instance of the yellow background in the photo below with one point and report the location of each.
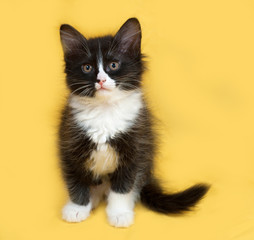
(199, 84)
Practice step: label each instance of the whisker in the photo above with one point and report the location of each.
(77, 84)
(77, 90)
(86, 91)
(127, 85)
(128, 79)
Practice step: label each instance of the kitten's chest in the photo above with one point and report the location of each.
(103, 121)
(103, 160)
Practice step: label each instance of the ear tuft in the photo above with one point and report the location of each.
(128, 38)
(72, 39)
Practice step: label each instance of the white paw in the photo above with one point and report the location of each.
(75, 213)
(124, 219)
(120, 208)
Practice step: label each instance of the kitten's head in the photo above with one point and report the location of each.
(99, 66)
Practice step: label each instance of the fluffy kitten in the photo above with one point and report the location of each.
(106, 138)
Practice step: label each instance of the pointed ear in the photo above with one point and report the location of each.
(128, 38)
(72, 39)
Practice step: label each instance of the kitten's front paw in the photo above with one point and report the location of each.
(75, 213)
(124, 219)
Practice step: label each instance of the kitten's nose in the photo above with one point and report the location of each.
(102, 81)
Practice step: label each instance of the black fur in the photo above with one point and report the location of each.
(154, 198)
(135, 147)
(78, 51)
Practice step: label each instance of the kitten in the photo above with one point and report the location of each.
(106, 136)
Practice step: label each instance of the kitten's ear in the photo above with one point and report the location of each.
(72, 39)
(128, 38)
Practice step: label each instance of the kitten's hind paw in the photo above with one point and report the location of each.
(75, 213)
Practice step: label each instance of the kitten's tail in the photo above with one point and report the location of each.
(153, 197)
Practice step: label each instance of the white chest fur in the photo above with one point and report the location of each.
(102, 118)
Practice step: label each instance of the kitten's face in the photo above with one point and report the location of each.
(98, 66)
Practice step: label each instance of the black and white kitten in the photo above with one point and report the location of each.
(106, 138)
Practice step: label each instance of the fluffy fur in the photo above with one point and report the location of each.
(106, 138)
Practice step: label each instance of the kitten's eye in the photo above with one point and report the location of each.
(86, 68)
(114, 66)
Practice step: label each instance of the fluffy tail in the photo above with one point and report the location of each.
(153, 197)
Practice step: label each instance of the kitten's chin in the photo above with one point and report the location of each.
(104, 93)
(111, 95)
(103, 97)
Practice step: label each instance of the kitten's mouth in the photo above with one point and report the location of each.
(103, 89)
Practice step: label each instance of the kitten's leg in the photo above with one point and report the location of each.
(120, 208)
(79, 207)
(97, 192)
(122, 197)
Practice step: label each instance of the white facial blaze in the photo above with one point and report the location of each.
(101, 75)
(108, 83)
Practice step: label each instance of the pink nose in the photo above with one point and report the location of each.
(102, 81)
